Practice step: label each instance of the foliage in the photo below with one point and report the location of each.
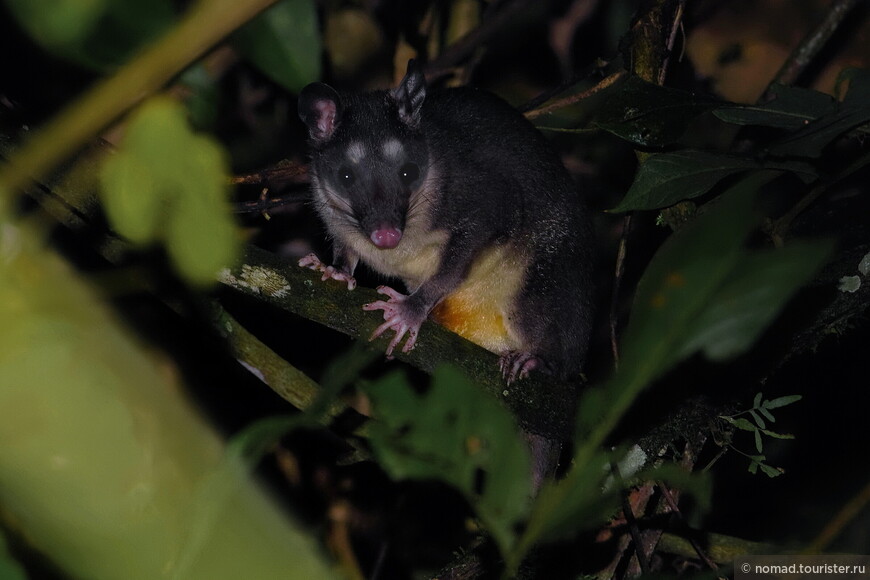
(456, 433)
(166, 183)
(95, 435)
(89, 415)
(760, 413)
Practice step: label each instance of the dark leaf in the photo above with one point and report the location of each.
(791, 108)
(284, 42)
(649, 115)
(667, 178)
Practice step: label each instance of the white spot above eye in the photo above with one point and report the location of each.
(356, 152)
(393, 148)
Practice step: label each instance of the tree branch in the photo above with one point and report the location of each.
(809, 48)
(541, 404)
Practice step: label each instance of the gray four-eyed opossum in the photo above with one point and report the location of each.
(459, 196)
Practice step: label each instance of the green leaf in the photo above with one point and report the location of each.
(770, 471)
(10, 569)
(791, 108)
(574, 504)
(781, 401)
(754, 293)
(284, 42)
(756, 402)
(55, 24)
(134, 207)
(741, 423)
(100, 34)
(201, 236)
(776, 435)
(649, 115)
(452, 433)
(767, 414)
(666, 178)
(811, 140)
(757, 418)
(758, 445)
(682, 279)
(177, 180)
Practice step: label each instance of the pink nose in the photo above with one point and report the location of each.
(386, 237)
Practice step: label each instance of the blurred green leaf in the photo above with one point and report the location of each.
(102, 459)
(284, 42)
(167, 183)
(682, 279)
(791, 108)
(751, 297)
(686, 287)
(452, 433)
(649, 115)
(134, 206)
(56, 24)
(573, 504)
(10, 569)
(203, 100)
(100, 34)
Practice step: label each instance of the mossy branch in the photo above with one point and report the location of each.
(541, 404)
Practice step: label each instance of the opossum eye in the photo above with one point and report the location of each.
(346, 176)
(408, 173)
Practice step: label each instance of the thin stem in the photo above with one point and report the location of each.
(572, 99)
(811, 45)
(848, 513)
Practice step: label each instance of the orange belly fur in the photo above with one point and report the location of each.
(480, 309)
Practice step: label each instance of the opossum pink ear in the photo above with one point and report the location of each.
(320, 109)
(410, 94)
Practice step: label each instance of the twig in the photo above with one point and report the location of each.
(811, 45)
(672, 504)
(287, 381)
(618, 274)
(846, 514)
(468, 44)
(264, 203)
(631, 520)
(572, 99)
(778, 229)
(284, 170)
(676, 25)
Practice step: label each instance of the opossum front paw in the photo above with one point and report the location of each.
(517, 365)
(399, 317)
(312, 262)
